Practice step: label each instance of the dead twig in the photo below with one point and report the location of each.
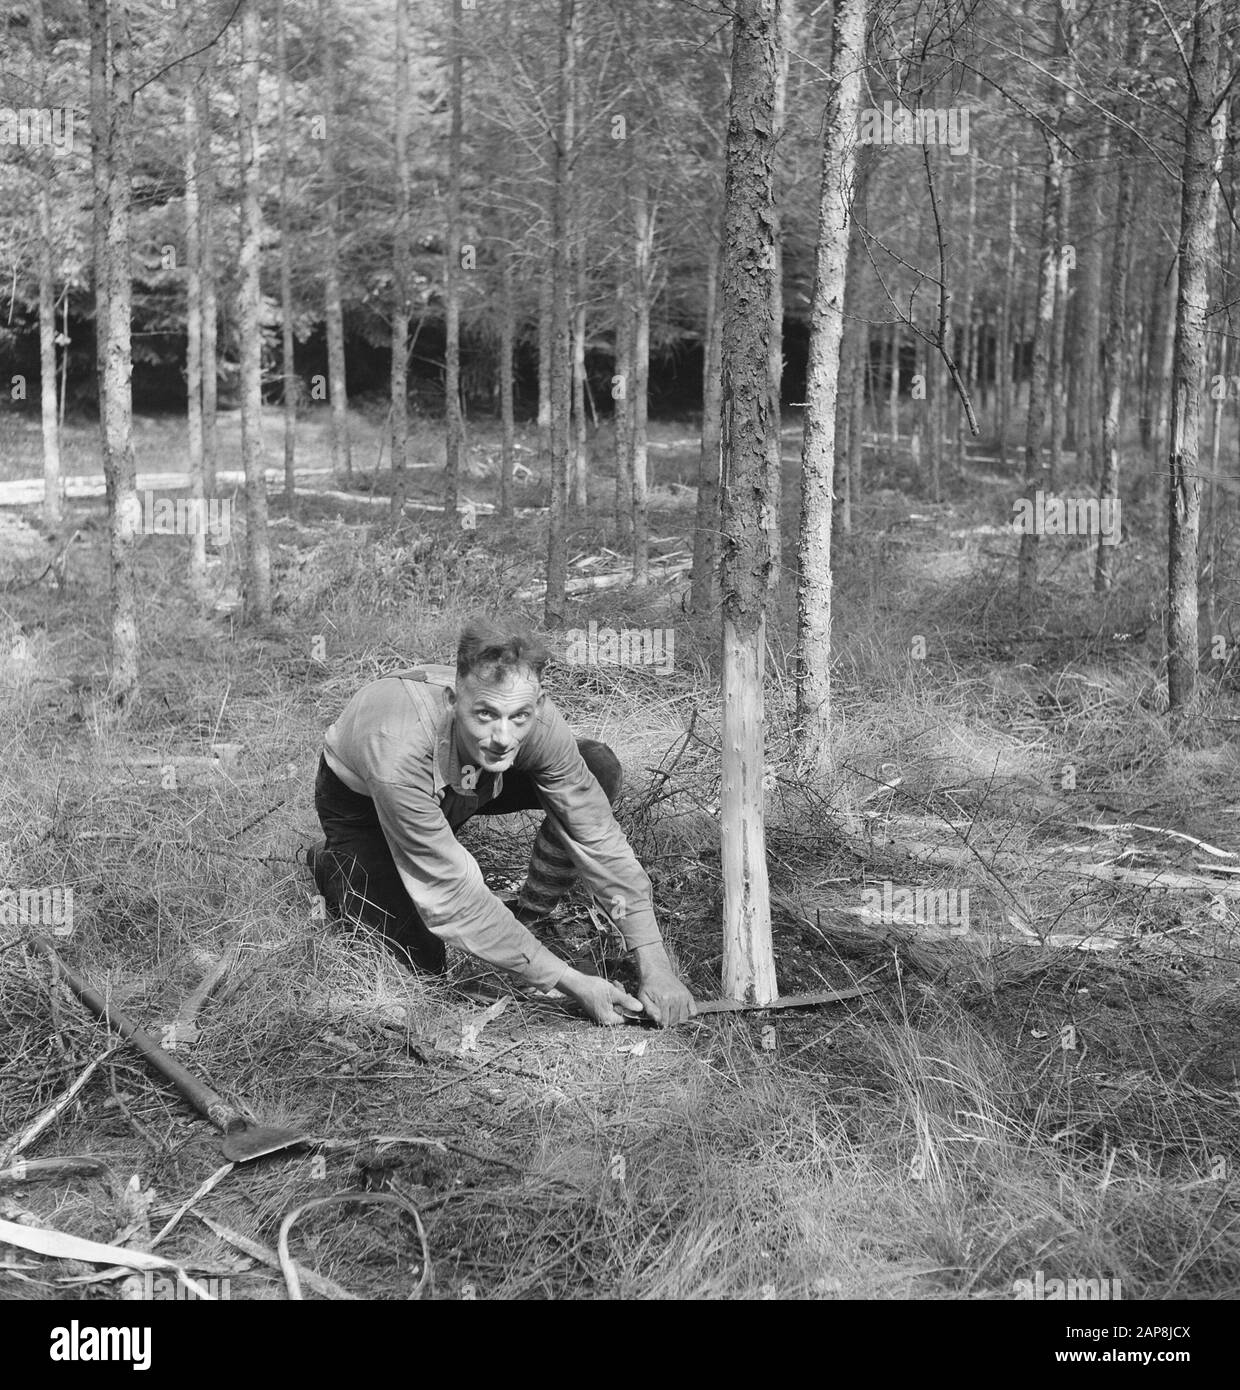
(47, 1117)
(320, 1284)
(218, 1176)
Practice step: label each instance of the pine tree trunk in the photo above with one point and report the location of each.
(193, 331)
(1043, 328)
(401, 267)
(643, 245)
(856, 424)
(1114, 347)
(622, 399)
(1203, 157)
(1083, 378)
(337, 389)
(555, 604)
(1056, 384)
(826, 322)
(1209, 527)
(111, 107)
(286, 275)
(210, 295)
(1003, 364)
(580, 437)
(968, 367)
(1043, 333)
(1162, 383)
(507, 352)
(706, 521)
(893, 380)
(775, 475)
(249, 298)
(748, 425)
(935, 421)
(841, 517)
(1152, 323)
(452, 276)
(47, 295)
(1065, 103)
(546, 336)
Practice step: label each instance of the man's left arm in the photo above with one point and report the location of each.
(605, 859)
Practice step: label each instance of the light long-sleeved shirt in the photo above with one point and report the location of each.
(395, 742)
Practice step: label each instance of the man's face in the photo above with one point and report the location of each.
(494, 713)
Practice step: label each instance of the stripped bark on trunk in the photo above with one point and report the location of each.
(748, 424)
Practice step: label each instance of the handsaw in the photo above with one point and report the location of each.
(786, 1001)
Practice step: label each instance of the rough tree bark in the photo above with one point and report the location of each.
(554, 608)
(249, 294)
(748, 304)
(452, 275)
(47, 293)
(399, 376)
(1003, 359)
(193, 330)
(774, 460)
(1204, 137)
(643, 271)
(826, 322)
(622, 397)
(580, 432)
(210, 305)
(507, 349)
(546, 333)
(893, 380)
(342, 448)
(288, 368)
(1114, 347)
(111, 114)
(1036, 475)
(706, 521)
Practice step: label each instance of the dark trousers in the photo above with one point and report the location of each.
(358, 878)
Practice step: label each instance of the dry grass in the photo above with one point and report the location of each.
(997, 1108)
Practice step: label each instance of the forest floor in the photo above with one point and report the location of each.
(1046, 1081)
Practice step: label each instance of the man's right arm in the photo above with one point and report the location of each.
(446, 886)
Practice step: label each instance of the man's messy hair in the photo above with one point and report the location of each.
(498, 651)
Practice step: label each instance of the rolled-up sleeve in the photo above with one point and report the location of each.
(603, 856)
(446, 886)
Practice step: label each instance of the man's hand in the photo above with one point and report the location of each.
(661, 992)
(604, 1002)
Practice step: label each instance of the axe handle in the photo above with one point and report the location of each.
(206, 1101)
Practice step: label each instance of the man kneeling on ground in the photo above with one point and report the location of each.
(415, 755)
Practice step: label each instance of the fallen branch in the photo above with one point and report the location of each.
(1158, 830)
(320, 1284)
(71, 1165)
(924, 853)
(52, 1113)
(211, 1182)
